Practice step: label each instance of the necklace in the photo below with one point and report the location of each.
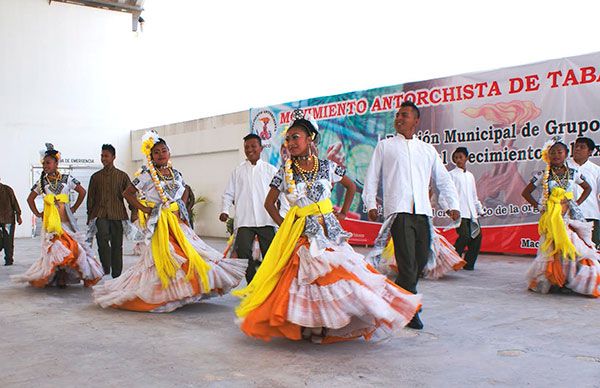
(51, 186)
(306, 173)
(169, 180)
(562, 180)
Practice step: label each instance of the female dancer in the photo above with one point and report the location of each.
(66, 257)
(566, 257)
(311, 283)
(176, 267)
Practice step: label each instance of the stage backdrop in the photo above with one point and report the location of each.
(503, 117)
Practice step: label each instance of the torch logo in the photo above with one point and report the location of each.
(264, 124)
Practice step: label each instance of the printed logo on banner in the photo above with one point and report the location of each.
(264, 125)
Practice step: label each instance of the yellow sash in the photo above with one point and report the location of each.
(51, 219)
(166, 266)
(553, 228)
(388, 251)
(277, 256)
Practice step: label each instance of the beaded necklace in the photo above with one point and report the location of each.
(169, 180)
(155, 180)
(561, 180)
(54, 187)
(308, 176)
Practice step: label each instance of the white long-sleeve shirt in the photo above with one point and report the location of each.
(464, 181)
(247, 190)
(591, 173)
(407, 167)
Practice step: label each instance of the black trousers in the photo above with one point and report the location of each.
(465, 240)
(7, 241)
(595, 232)
(243, 245)
(412, 242)
(110, 245)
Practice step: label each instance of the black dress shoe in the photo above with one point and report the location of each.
(467, 268)
(415, 323)
(8, 263)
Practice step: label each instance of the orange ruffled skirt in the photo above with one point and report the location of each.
(337, 291)
(140, 289)
(443, 259)
(581, 275)
(68, 252)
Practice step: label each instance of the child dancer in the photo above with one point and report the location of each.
(311, 283)
(66, 257)
(566, 257)
(469, 231)
(176, 267)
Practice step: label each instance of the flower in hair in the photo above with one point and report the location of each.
(148, 140)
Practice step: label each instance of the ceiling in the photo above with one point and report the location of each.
(134, 7)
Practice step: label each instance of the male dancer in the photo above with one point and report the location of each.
(105, 207)
(409, 165)
(584, 147)
(247, 190)
(469, 231)
(9, 212)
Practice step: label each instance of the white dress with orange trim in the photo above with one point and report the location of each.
(325, 290)
(442, 259)
(566, 256)
(63, 249)
(141, 288)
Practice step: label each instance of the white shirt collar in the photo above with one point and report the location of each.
(250, 164)
(401, 136)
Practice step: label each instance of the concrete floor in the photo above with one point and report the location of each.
(482, 328)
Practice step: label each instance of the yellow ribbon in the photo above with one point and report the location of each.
(553, 228)
(277, 256)
(388, 251)
(143, 217)
(51, 219)
(166, 266)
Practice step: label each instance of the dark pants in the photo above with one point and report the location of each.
(465, 240)
(412, 243)
(244, 241)
(7, 241)
(110, 245)
(595, 232)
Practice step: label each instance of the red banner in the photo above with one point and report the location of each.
(513, 239)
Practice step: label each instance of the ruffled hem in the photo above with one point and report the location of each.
(139, 287)
(446, 258)
(68, 252)
(581, 275)
(337, 291)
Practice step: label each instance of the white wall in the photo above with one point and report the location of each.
(79, 77)
(64, 79)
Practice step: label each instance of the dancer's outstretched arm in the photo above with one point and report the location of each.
(130, 195)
